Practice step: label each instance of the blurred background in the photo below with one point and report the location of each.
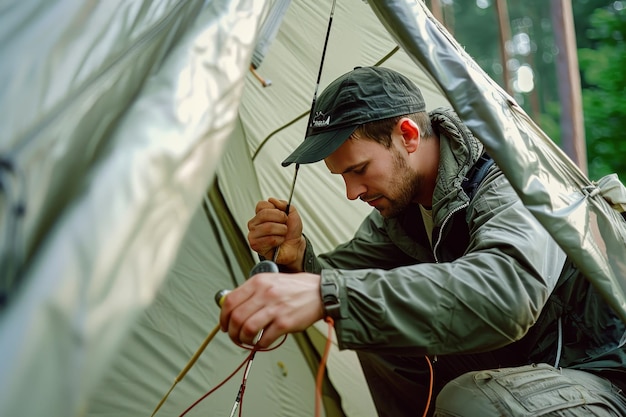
(563, 60)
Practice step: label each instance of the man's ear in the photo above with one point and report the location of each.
(410, 134)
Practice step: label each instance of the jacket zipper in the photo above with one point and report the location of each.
(443, 224)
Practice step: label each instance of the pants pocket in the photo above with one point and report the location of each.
(531, 390)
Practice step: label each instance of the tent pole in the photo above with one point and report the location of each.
(504, 30)
(435, 9)
(572, 124)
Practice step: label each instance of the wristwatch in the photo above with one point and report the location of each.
(330, 300)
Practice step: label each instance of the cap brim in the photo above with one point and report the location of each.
(317, 147)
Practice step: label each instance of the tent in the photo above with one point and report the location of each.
(136, 142)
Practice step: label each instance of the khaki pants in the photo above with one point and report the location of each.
(533, 390)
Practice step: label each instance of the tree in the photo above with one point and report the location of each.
(600, 37)
(604, 95)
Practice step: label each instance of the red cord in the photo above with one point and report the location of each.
(246, 360)
(217, 386)
(243, 386)
(318, 381)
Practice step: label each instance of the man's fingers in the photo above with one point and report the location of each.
(263, 244)
(279, 204)
(269, 229)
(243, 314)
(277, 303)
(262, 329)
(268, 215)
(271, 203)
(264, 205)
(251, 328)
(232, 302)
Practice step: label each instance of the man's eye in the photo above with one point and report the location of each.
(360, 170)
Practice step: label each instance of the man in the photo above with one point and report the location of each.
(467, 278)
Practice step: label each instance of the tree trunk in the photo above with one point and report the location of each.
(572, 124)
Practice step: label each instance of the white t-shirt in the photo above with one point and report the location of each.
(427, 216)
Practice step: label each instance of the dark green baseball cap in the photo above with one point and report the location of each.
(363, 95)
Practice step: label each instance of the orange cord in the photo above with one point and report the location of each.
(430, 386)
(322, 367)
(320, 374)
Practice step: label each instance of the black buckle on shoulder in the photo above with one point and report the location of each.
(476, 174)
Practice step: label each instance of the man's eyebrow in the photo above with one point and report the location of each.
(351, 168)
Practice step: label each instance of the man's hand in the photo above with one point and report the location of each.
(271, 228)
(275, 302)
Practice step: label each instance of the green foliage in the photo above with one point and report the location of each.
(600, 33)
(549, 121)
(604, 97)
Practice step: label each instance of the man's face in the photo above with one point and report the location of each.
(379, 176)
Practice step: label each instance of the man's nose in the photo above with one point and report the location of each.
(354, 189)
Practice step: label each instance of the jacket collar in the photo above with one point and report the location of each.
(459, 150)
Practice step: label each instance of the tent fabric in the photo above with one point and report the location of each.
(173, 328)
(123, 117)
(108, 196)
(268, 31)
(239, 182)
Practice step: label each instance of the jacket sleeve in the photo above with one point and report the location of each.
(481, 301)
(370, 246)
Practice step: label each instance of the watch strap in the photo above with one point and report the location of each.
(330, 299)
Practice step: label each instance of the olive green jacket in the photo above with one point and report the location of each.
(493, 281)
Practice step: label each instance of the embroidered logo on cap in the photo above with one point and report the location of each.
(321, 120)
